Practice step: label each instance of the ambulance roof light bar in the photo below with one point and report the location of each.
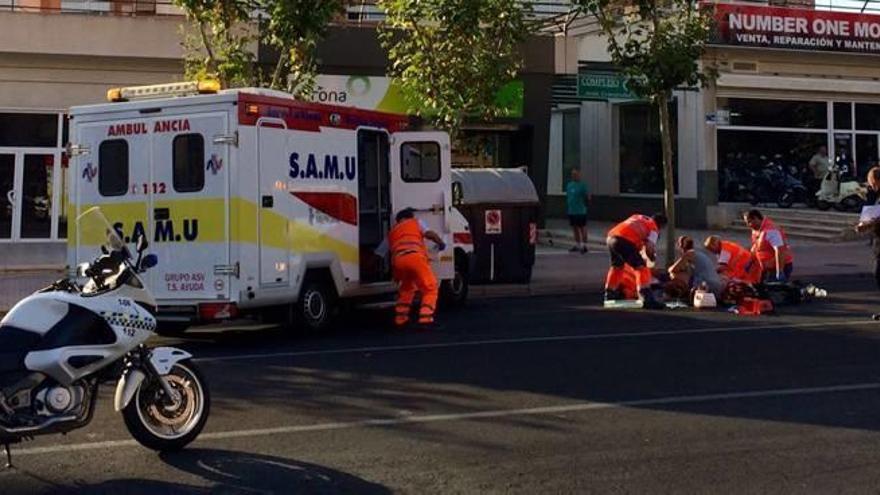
(163, 90)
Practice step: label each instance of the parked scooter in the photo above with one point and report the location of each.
(842, 192)
(59, 344)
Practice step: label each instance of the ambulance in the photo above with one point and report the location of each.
(257, 203)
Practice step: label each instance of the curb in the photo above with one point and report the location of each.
(32, 268)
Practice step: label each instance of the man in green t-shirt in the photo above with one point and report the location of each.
(576, 198)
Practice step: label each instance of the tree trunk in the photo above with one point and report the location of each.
(668, 175)
(279, 66)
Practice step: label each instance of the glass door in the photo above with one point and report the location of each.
(843, 153)
(38, 172)
(7, 194)
(866, 153)
(27, 189)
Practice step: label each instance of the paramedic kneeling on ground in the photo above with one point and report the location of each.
(625, 243)
(770, 247)
(411, 268)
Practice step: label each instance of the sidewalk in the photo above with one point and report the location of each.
(556, 270)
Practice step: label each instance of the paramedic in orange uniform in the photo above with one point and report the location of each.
(411, 268)
(770, 247)
(625, 243)
(734, 261)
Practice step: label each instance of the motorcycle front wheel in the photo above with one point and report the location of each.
(161, 424)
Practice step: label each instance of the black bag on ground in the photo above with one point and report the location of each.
(781, 293)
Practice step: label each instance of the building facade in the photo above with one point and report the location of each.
(98, 44)
(43, 75)
(791, 79)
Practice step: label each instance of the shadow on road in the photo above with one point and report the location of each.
(768, 354)
(227, 472)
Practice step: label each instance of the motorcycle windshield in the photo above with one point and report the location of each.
(95, 230)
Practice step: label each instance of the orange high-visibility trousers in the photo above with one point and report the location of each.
(413, 273)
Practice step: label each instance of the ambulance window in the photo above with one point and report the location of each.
(420, 162)
(189, 163)
(113, 167)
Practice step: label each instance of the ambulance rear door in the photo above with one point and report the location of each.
(420, 179)
(110, 161)
(190, 211)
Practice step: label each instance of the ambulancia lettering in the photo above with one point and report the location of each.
(180, 125)
(129, 129)
(135, 128)
(307, 167)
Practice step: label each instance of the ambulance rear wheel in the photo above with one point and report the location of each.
(316, 305)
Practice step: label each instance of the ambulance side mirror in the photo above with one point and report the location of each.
(142, 244)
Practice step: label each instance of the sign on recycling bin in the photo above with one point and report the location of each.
(493, 221)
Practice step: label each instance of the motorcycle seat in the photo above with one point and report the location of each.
(15, 344)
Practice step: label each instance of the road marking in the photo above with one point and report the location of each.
(526, 340)
(436, 418)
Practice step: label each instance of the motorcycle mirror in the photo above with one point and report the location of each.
(81, 269)
(142, 243)
(149, 261)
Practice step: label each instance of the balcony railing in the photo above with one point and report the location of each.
(99, 7)
(358, 11)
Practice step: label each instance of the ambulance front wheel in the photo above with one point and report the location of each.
(316, 304)
(454, 292)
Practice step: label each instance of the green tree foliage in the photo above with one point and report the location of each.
(223, 35)
(453, 56)
(218, 40)
(658, 45)
(294, 29)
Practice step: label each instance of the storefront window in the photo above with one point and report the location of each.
(29, 130)
(744, 159)
(843, 115)
(867, 117)
(776, 113)
(36, 202)
(7, 194)
(63, 203)
(641, 152)
(481, 149)
(571, 144)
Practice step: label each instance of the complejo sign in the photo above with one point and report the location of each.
(796, 29)
(602, 86)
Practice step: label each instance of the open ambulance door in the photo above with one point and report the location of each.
(420, 179)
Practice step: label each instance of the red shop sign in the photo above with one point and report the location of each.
(795, 29)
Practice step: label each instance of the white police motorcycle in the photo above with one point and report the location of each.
(59, 344)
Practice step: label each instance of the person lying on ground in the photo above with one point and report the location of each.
(700, 263)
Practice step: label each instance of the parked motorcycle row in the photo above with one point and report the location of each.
(786, 180)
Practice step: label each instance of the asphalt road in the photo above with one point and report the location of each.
(538, 395)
